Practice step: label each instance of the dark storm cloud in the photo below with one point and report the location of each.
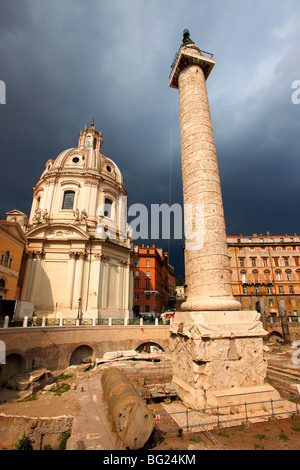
(69, 61)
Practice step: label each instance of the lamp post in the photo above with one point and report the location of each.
(79, 308)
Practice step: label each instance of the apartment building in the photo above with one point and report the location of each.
(154, 281)
(12, 244)
(266, 268)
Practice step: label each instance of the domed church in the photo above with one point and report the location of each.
(80, 257)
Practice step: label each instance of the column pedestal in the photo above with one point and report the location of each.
(218, 359)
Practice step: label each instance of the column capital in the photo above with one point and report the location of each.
(81, 255)
(105, 258)
(124, 263)
(37, 254)
(89, 182)
(77, 254)
(190, 54)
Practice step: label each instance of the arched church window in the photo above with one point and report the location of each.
(68, 201)
(88, 141)
(2, 284)
(107, 208)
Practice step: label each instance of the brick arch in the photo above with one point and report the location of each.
(79, 353)
(275, 336)
(15, 364)
(146, 344)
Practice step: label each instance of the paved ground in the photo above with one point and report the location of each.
(92, 429)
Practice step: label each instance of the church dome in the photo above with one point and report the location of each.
(79, 185)
(86, 159)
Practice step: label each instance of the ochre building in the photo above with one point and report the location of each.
(12, 245)
(266, 268)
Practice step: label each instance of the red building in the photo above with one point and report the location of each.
(154, 282)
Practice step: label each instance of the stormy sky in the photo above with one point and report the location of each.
(67, 62)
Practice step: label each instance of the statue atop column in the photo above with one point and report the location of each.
(186, 37)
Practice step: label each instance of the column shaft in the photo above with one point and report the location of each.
(70, 281)
(207, 261)
(78, 278)
(26, 278)
(36, 276)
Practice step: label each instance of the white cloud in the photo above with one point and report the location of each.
(289, 27)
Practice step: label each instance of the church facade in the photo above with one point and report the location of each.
(80, 256)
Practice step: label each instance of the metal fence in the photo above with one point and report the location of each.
(203, 420)
(217, 417)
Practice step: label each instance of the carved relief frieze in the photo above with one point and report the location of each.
(58, 234)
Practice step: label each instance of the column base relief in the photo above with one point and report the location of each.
(218, 359)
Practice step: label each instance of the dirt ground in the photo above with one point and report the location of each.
(274, 434)
(41, 404)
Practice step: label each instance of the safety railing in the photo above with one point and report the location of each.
(217, 417)
(51, 322)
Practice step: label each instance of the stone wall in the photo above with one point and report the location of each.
(294, 329)
(52, 347)
(40, 431)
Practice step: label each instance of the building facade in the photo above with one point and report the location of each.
(12, 245)
(267, 269)
(80, 258)
(154, 282)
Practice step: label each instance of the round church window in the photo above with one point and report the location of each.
(108, 168)
(75, 160)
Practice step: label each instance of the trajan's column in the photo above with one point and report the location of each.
(217, 348)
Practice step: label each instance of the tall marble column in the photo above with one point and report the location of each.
(217, 348)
